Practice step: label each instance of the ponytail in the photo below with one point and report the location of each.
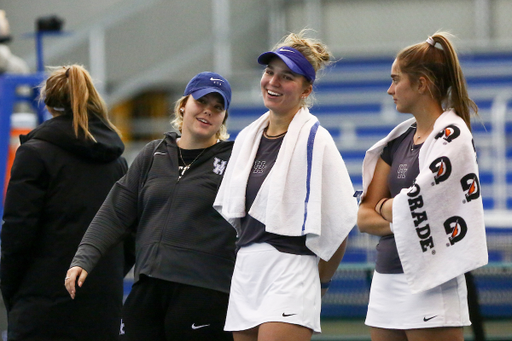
(70, 88)
(441, 67)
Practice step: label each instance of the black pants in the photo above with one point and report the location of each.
(159, 310)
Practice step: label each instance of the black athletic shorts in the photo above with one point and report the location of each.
(159, 310)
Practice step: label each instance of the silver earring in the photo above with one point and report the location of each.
(182, 110)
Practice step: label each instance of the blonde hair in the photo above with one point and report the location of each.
(177, 121)
(316, 52)
(71, 88)
(442, 69)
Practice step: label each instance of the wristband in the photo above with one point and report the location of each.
(325, 285)
(380, 208)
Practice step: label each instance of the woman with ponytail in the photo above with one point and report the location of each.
(62, 173)
(421, 195)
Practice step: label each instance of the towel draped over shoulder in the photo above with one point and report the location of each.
(438, 223)
(307, 192)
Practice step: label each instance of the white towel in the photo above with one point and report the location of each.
(307, 192)
(438, 223)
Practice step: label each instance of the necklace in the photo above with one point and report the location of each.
(426, 131)
(183, 169)
(417, 137)
(272, 136)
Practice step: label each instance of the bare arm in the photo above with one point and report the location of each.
(327, 269)
(368, 220)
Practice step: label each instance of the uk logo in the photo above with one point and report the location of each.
(442, 168)
(456, 229)
(471, 186)
(219, 166)
(449, 133)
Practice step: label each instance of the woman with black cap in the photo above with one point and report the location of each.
(288, 194)
(185, 250)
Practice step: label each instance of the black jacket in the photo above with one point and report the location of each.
(58, 183)
(180, 237)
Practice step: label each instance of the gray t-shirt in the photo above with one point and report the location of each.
(402, 155)
(252, 230)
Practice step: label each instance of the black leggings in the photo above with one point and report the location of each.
(159, 310)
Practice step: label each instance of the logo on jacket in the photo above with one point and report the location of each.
(449, 133)
(456, 228)
(471, 186)
(121, 328)
(219, 166)
(442, 168)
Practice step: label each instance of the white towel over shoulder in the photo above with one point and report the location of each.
(438, 223)
(307, 192)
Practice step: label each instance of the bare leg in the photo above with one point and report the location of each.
(279, 331)
(380, 334)
(246, 335)
(438, 334)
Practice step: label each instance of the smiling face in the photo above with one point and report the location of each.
(202, 119)
(405, 94)
(282, 88)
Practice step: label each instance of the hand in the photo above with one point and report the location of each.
(72, 275)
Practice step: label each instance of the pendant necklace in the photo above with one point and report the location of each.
(183, 169)
(419, 136)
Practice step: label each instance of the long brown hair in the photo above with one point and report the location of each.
(70, 88)
(441, 67)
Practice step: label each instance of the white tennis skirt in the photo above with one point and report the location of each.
(393, 306)
(272, 286)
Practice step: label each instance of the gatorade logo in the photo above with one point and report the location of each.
(471, 186)
(456, 228)
(420, 218)
(449, 133)
(442, 168)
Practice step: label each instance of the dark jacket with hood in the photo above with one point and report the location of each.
(180, 237)
(58, 183)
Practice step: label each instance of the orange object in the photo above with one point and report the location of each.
(21, 124)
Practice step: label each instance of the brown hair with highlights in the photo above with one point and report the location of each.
(441, 68)
(70, 88)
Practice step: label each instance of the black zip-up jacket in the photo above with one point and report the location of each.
(180, 237)
(58, 183)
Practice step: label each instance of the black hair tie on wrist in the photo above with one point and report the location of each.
(325, 285)
(380, 208)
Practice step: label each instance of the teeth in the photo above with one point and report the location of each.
(203, 120)
(273, 93)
